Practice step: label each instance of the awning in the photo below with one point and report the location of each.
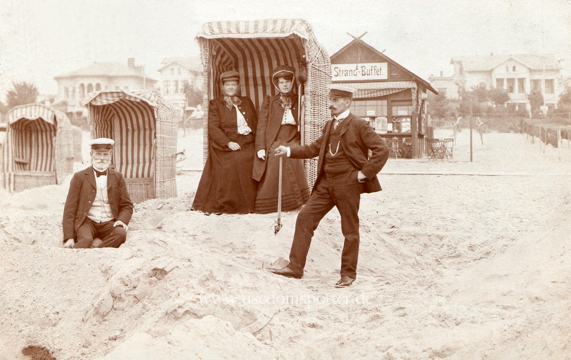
(269, 28)
(361, 94)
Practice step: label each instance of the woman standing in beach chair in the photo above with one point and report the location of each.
(278, 124)
(226, 185)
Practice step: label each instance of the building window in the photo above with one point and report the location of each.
(549, 86)
(81, 91)
(166, 87)
(369, 108)
(73, 93)
(98, 87)
(178, 70)
(89, 88)
(117, 88)
(513, 68)
(401, 110)
(536, 85)
(511, 85)
(66, 93)
(521, 85)
(176, 86)
(500, 83)
(172, 71)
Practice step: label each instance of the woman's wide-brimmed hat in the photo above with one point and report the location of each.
(283, 71)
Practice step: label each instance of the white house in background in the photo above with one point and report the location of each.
(446, 85)
(518, 74)
(175, 74)
(74, 86)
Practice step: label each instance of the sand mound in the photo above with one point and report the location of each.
(450, 267)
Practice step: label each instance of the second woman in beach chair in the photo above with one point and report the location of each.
(226, 185)
(278, 124)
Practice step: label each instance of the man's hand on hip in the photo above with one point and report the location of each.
(361, 177)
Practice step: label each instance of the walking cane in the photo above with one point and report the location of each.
(278, 225)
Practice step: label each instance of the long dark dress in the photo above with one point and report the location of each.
(270, 134)
(226, 185)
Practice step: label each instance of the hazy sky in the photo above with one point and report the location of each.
(42, 38)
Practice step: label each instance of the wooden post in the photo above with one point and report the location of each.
(471, 149)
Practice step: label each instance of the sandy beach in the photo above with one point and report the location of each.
(458, 260)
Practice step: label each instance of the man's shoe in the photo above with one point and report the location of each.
(287, 272)
(344, 282)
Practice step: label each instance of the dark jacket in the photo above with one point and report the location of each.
(269, 123)
(222, 128)
(357, 138)
(82, 191)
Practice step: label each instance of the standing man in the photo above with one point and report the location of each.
(98, 204)
(345, 170)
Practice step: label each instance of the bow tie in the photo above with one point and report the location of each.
(100, 173)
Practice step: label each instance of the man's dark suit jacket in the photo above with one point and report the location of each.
(357, 138)
(81, 195)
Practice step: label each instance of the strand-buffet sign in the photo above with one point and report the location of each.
(352, 72)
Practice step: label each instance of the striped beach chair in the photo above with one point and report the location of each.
(38, 147)
(144, 128)
(254, 49)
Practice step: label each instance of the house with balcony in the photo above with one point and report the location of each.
(74, 86)
(519, 75)
(176, 74)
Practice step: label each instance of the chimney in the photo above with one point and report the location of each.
(131, 62)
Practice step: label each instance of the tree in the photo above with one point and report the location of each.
(438, 106)
(193, 96)
(499, 96)
(474, 102)
(21, 93)
(564, 103)
(3, 108)
(535, 101)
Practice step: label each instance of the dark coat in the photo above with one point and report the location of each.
(357, 138)
(226, 185)
(82, 191)
(269, 123)
(222, 129)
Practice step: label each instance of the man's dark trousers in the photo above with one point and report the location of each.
(344, 192)
(111, 236)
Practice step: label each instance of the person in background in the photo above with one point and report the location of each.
(345, 170)
(226, 185)
(278, 124)
(98, 207)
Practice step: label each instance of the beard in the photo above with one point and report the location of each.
(101, 166)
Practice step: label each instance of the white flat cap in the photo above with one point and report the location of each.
(102, 143)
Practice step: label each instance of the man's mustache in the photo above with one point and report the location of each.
(331, 107)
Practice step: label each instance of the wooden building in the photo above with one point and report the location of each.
(388, 95)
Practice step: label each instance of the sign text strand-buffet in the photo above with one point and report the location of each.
(367, 71)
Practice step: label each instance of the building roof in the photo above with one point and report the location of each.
(189, 63)
(489, 62)
(105, 69)
(363, 43)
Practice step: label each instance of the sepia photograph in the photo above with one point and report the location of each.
(247, 179)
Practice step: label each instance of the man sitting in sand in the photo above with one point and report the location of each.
(98, 208)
